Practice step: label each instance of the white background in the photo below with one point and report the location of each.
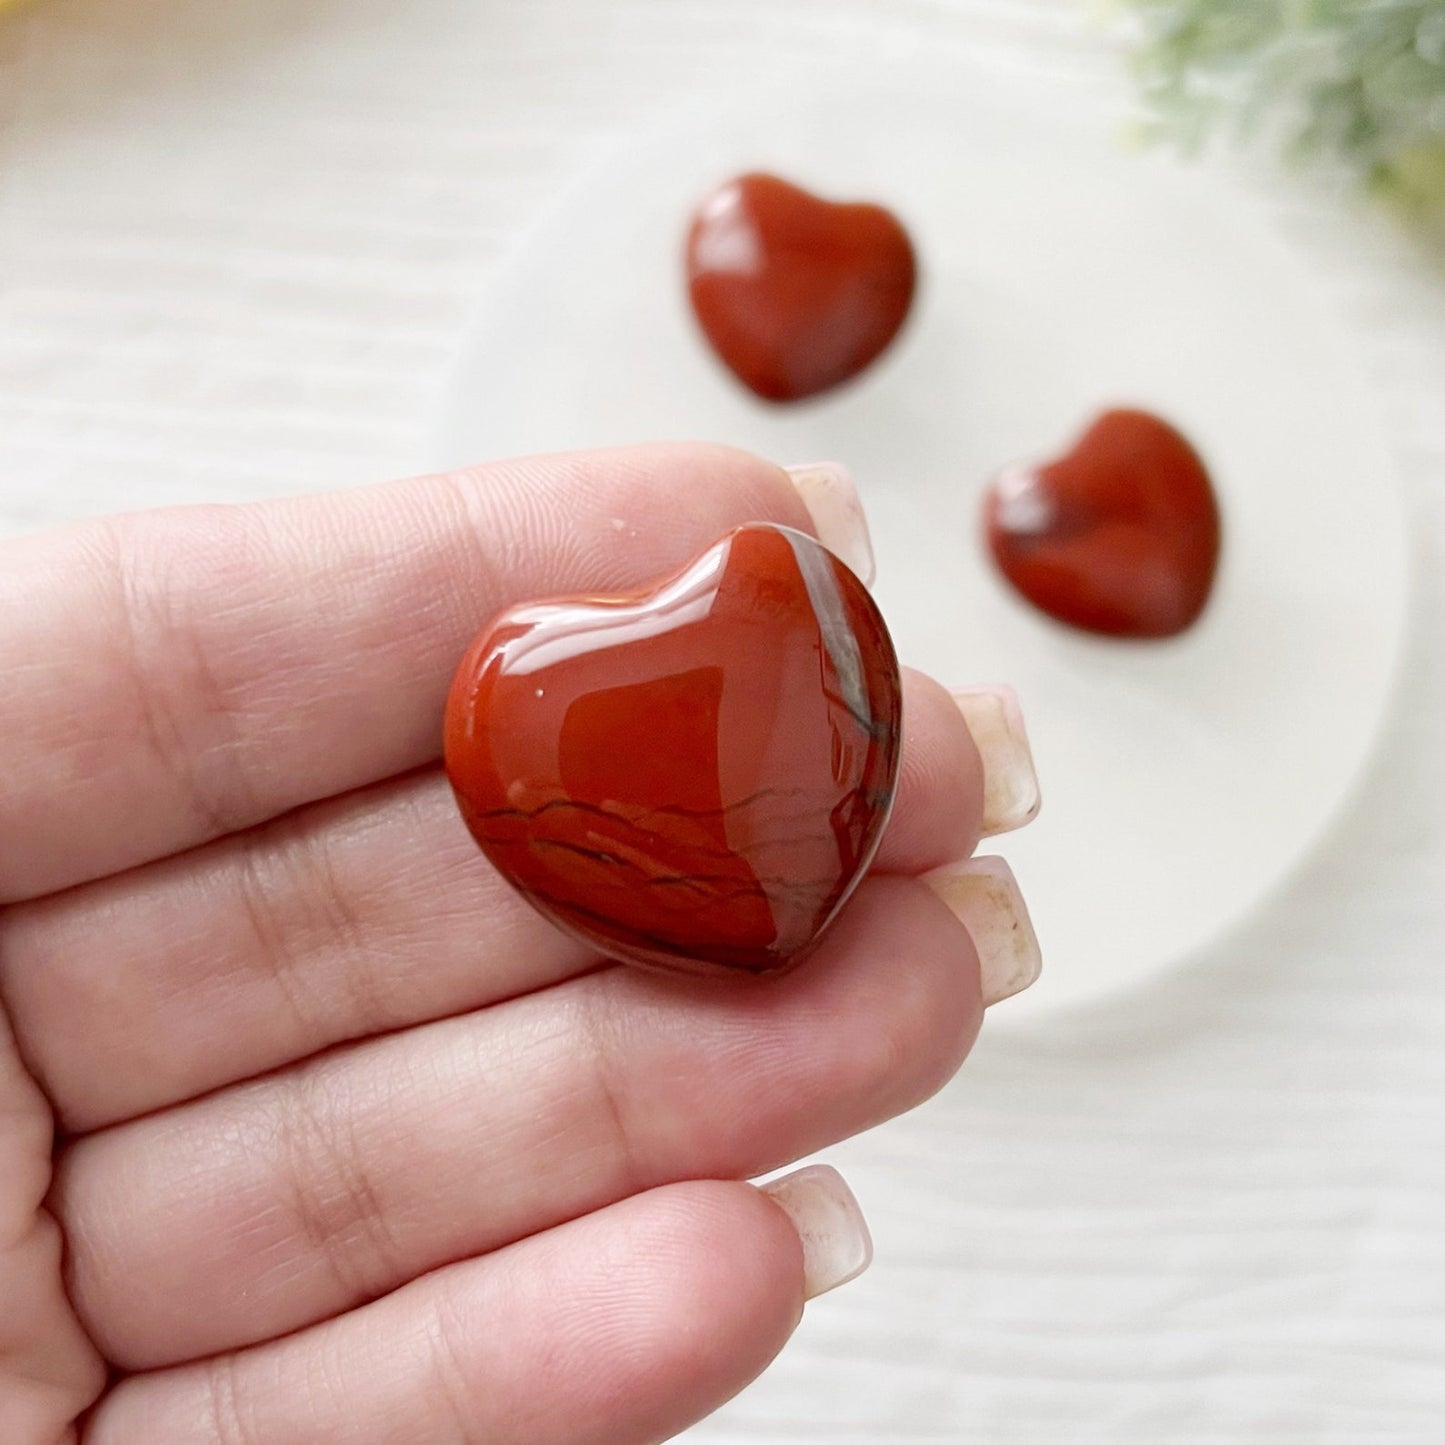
(239, 244)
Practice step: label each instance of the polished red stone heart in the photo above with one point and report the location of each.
(1121, 536)
(692, 778)
(796, 294)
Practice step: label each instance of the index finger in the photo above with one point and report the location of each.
(174, 676)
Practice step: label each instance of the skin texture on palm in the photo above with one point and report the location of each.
(319, 1075)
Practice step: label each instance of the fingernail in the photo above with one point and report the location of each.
(984, 896)
(1010, 784)
(831, 497)
(836, 1244)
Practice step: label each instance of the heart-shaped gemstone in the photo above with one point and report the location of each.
(796, 294)
(693, 778)
(1120, 536)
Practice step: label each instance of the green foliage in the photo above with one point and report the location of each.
(1363, 80)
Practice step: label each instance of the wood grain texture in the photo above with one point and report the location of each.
(238, 244)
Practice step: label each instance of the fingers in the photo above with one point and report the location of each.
(349, 918)
(938, 815)
(353, 917)
(621, 1328)
(182, 674)
(267, 1207)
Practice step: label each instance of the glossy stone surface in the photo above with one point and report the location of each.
(693, 778)
(795, 293)
(1121, 536)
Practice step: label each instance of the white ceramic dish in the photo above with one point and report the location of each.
(1182, 781)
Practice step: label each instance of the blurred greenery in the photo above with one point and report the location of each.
(1359, 80)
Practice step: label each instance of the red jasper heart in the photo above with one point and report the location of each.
(693, 778)
(1121, 536)
(796, 294)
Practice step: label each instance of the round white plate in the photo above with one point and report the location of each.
(1183, 780)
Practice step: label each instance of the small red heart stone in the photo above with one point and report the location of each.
(1121, 536)
(796, 294)
(692, 778)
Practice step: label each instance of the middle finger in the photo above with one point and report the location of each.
(350, 918)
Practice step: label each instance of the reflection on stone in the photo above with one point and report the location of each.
(694, 778)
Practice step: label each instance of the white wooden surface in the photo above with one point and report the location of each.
(238, 242)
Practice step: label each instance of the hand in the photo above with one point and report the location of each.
(354, 1146)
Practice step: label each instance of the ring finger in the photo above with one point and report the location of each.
(359, 916)
(277, 1203)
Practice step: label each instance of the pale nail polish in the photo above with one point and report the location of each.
(984, 896)
(831, 497)
(836, 1244)
(1010, 784)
